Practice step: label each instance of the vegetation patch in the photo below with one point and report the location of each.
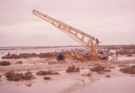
(5, 63)
(100, 69)
(128, 70)
(30, 55)
(47, 78)
(46, 73)
(28, 76)
(72, 69)
(108, 76)
(87, 74)
(12, 76)
(18, 62)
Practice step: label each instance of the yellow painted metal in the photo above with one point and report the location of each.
(81, 37)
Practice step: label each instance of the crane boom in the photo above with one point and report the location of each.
(86, 39)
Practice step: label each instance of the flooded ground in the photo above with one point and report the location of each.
(106, 78)
(122, 58)
(111, 85)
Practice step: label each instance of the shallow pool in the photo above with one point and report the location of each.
(110, 85)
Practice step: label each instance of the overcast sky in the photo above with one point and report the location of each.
(112, 21)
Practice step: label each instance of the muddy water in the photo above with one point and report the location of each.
(112, 85)
(123, 84)
(122, 58)
(38, 87)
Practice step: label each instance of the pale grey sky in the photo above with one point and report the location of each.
(112, 21)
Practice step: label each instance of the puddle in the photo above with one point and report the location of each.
(122, 58)
(112, 85)
(37, 87)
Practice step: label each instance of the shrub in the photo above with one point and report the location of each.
(5, 63)
(46, 73)
(18, 62)
(108, 76)
(12, 76)
(100, 69)
(73, 69)
(28, 76)
(129, 70)
(47, 78)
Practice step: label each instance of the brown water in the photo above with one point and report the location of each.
(110, 85)
(38, 87)
(106, 85)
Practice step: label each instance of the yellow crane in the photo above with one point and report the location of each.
(85, 39)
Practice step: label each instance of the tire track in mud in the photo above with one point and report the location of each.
(80, 84)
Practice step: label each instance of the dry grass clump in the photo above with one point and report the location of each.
(18, 62)
(73, 69)
(100, 69)
(28, 76)
(12, 76)
(47, 78)
(46, 73)
(87, 74)
(5, 63)
(108, 76)
(129, 70)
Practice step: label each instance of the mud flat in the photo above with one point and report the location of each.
(112, 85)
(74, 82)
(68, 76)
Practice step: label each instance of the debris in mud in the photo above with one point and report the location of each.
(28, 84)
(129, 70)
(88, 74)
(47, 78)
(18, 62)
(108, 76)
(73, 69)
(46, 73)
(0, 77)
(111, 67)
(100, 72)
(100, 69)
(129, 55)
(12, 76)
(5, 63)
